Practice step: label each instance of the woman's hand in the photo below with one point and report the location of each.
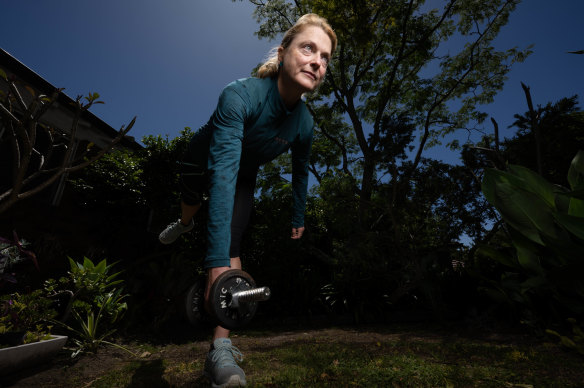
(297, 233)
(213, 274)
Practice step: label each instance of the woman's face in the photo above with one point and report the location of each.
(305, 60)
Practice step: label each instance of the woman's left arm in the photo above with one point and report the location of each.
(300, 160)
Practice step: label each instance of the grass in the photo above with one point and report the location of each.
(417, 364)
(343, 358)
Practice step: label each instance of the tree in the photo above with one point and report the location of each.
(560, 128)
(37, 162)
(404, 75)
(396, 57)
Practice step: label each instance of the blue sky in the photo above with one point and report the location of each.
(167, 61)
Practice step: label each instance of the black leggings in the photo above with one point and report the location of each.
(194, 183)
(242, 206)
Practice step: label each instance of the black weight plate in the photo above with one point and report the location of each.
(195, 304)
(225, 285)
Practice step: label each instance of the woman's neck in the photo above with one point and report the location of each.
(289, 95)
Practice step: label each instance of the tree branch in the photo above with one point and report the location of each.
(534, 128)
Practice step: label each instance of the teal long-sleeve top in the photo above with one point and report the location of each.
(250, 127)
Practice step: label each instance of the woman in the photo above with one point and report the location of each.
(256, 120)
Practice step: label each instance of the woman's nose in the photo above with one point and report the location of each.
(315, 61)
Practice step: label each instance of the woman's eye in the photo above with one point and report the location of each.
(307, 49)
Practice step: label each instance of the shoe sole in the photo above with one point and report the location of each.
(234, 381)
(167, 241)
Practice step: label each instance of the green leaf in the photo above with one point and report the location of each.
(492, 178)
(574, 225)
(527, 252)
(528, 259)
(101, 267)
(562, 201)
(576, 208)
(535, 183)
(525, 212)
(579, 194)
(87, 263)
(576, 172)
(3, 75)
(497, 256)
(533, 283)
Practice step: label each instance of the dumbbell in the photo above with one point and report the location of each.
(233, 300)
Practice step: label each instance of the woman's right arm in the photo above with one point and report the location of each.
(223, 165)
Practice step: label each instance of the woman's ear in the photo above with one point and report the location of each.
(280, 54)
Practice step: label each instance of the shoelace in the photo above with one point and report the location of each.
(180, 224)
(225, 356)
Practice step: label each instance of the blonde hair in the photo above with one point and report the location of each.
(271, 66)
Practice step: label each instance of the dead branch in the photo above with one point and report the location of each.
(534, 128)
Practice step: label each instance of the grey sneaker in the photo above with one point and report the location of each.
(220, 365)
(172, 231)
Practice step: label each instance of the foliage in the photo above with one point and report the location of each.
(160, 165)
(396, 59)
(86, 282)
(29, 314)
(114, 181)
(130, 180)
(91, 336)
(546, 225)
(158, 286)
(96, 302)
(41, 154)
(132, 196)
(560, 127)
(575, 343)
(126, 190)
(386, 222)
(13, 252)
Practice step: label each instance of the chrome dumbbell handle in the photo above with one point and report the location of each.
(252, 295)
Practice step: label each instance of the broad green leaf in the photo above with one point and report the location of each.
(578, 194)
(527, 251)
(101, 266)
(574, 225)
(87, 263)
(525, 211)
(562, 250)
(528, 259)
(576, 208)
(562, 200)
(497, 256)
(576, 172)
(492, 178)
(534, 183)
(488, 185)
(533, 282)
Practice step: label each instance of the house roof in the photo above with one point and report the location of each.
(91, 128)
